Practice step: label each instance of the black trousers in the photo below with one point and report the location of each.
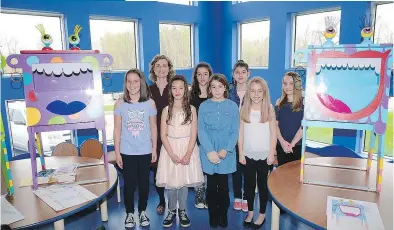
(259, 168)
(284, 158)
(136, 171)
(237, 177)
(218, 197)
(159, 190)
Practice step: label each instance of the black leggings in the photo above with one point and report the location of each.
(259, 168)
(284, 158)
(218, 197)
(160, 190)
(237, 177)
(136, 171)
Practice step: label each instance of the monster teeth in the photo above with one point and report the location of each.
(59, 68)
(352, 63)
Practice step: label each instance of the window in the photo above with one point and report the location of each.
(308, 29)
(320, 135)
(388, 143)
(109, 102)
(254, 38)
(117, 38)
(176, 43)
(18, 131)
(20, 33)
(384, 24)
(181, 2)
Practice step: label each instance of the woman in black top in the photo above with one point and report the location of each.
(199, 94)
(160, 71)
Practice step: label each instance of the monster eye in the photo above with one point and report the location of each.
(46, 39)
(330, 30)
(367, 30)
(73, 39)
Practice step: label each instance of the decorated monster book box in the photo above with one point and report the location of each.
(347, 87)
(63, 91)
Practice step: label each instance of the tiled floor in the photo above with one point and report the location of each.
(90, 218)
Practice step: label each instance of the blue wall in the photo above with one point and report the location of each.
(216, 35)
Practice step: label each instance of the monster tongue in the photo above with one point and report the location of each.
(333, 104)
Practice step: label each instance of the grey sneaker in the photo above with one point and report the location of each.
(199, 199)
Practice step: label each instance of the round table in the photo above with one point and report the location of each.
(36, 212)
(307, 202)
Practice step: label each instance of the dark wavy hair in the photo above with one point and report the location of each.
(171, 71)
(185, 101)
(195, 89)
(239, 63)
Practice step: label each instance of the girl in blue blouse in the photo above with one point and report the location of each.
(218, 126)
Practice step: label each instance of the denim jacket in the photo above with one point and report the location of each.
(233, 95)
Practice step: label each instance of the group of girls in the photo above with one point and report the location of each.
(195, 138)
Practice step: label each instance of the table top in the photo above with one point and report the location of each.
(35, 211)
(308, 202)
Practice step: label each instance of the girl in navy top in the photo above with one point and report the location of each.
(237, 92)
(135, 136)
(289, 114)
(198, 94)
(160, 71)
(218, 127)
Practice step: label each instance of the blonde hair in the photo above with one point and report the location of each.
(265, 105)
(171, 71)
(297, 92)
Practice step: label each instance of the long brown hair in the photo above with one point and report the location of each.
(297, 92)
(171, 71)
(195, 89)
(220, 78)
(265, 105)
(185, 101)
(144, 89)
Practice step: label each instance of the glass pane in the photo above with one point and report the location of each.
(388, 143)
(109, 102)
(309, 30)
(255, 43)
(116, 38)
(384, 25)
(175, 42)
(19, 33)
(18, 131)
(318, 134)
(182, 2)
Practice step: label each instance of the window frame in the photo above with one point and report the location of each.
(239, 28)
(374, 8)
(63, 32)
(136, 37)
(192, 38)
(191, 3)
(294, 29)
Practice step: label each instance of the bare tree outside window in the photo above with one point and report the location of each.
(309, 30)
(117, 38)
(19, 33)
(176, 43)
(255, 43)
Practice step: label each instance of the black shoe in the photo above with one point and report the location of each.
(144, 220)
(223, 221)
(129, 222)
(248, 224)
(169, 219)
(257, 226)
(213, 222)
(183, 219)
